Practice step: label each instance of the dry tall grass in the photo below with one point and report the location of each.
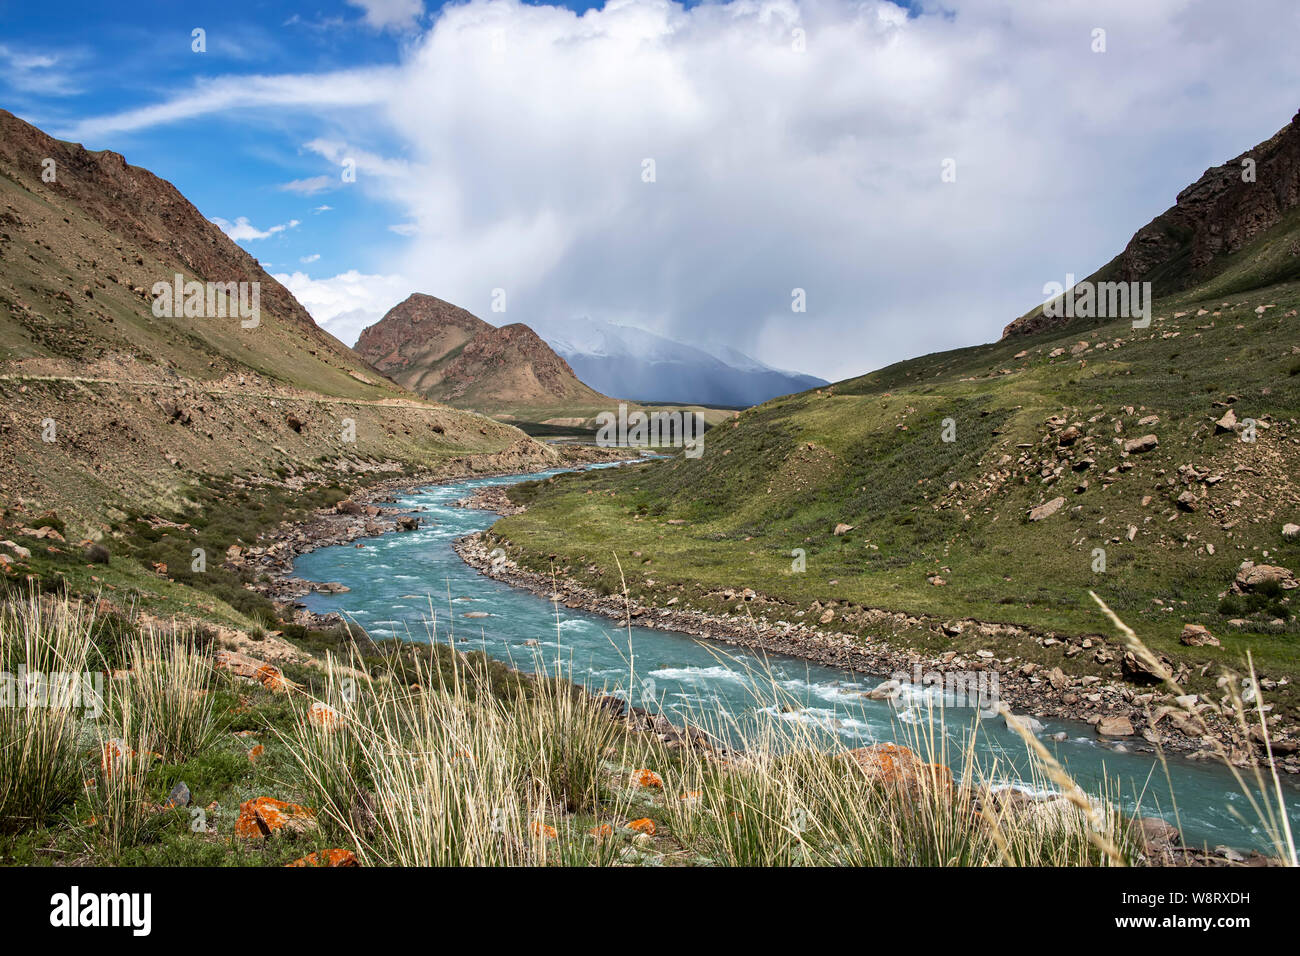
(41, 764)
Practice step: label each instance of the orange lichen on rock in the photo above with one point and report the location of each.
(647, 778)
(896, 766)
(540, 829)
(644, 825)
(115, 751)
(324, 716)
(241, 665)
(273, 679)
(601, 831)
(255, 753)
(327, 858)
(264, 815)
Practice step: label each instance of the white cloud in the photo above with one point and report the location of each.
(48, 74)
(512, 136)
(386, 14)
(320, 209)
(345, 304)
(241, 230)
(322, 91)
(404, 228)
(308, 260)
(310, 186)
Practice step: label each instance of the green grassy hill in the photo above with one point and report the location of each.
(942, 529)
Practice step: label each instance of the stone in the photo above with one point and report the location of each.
(1139, 670)
(327, 858)
(1068, 436)
(895, 766)
(885, 691)
(843, 528)
(1228, 423)
(21, 553)
(1188, 501)
(643, 825)
(262, 816)
(1031, 724)
(1115, 727)
(1194, 635)
(178, 796)
(1251, 575)
(1290, 530)
(324, 716)
(1047, 509)
(646, 779)
(1136, 446)
(407, 523)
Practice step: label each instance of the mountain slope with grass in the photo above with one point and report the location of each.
(106, 407)
(997, 485)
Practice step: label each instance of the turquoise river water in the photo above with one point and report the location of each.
(398, 578)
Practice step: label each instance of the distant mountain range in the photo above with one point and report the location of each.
(633, 363)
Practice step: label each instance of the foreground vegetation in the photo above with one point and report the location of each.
(416, 754)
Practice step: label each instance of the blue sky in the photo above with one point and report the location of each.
(234, 163)
(796, 144)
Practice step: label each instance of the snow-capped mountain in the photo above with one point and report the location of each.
(632, 363)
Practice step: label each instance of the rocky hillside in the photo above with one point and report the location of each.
(450, 355)
(417, 333)
(1236, 228)
(105, 405)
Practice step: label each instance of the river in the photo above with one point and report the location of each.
(397, 580)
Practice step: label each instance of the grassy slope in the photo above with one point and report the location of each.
(868, 452)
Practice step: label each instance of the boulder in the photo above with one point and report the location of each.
(407, 523)
(324, 716)
(1158, 835)
(1291, 530)
(647, 779)
(262, 816)
(1228, 423)
(1031, 724)
(1194, 635)
(1139, 670)
(1115, 727)
(1136, 446)
(1047, 509)
(249, 668)
(893, 766)
(843, 528)
(327, 858)
(886, 691)
(1251, 575)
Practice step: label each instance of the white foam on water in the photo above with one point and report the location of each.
(696, 675)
